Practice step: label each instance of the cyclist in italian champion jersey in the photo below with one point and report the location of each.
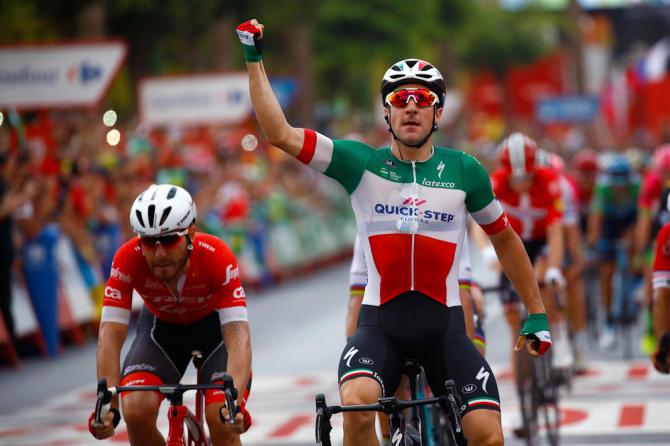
(470, 294)
(661, 285)
(193, 300)
(411, 202)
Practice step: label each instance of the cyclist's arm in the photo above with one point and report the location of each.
(111, 337)
(358, 279)
(642, 230)
(661, 311)
(555, 244)
(237, 340)
(516, 264)
(269, 113)
(573, 243)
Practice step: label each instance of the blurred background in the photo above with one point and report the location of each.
(99, 99)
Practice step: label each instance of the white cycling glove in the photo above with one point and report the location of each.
(554, 276)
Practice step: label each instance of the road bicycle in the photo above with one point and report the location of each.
(441, 426)
(179, 415)
(624, 306)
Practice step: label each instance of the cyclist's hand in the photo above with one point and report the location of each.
(535, 335)
(554, 276)
(661, 357)
(109, 423)
(242, 422)
(251, 36)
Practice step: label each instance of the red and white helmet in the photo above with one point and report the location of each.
(517, 154)
(661, 159)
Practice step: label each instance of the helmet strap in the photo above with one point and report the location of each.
(423, 140)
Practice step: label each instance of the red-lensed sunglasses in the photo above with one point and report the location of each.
(166, 241)
(421, 97)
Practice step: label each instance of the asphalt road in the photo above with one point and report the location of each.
(298, 334)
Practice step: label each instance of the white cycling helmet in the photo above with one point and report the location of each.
(162, 209)
(413, 71)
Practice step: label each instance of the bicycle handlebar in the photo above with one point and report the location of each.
(105, 395)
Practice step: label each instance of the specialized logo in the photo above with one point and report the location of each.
(113, 293)
(397, 437)
(440, 168)
(469, 388)
(349, 355)
(366, 361)
(231, 274)
(483, 374)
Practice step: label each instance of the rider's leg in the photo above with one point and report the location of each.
(483, 428)
(606, 288)
(140, 412)
(359, 427)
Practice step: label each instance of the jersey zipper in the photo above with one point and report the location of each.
(416, 198)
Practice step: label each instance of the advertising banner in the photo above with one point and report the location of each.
(217, 98)
(195, 99)
(567, 109)
(58, 75)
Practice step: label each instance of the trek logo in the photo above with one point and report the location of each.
(153, 285)
(231, 274)
(397, 437)
(483, 374)
(440, 168)
(349, 355)
(409, 211)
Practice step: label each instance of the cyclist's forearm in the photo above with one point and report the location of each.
(642, 231)
(237, 340)
(593, 228)
(573, 242)
(555, 242)
(269, 114)
(661, 311)
(516, 265)
(355, 301)
(108, 352)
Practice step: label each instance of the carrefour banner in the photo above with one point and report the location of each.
(195, 99)
(58, 75)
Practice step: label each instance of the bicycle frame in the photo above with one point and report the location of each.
(178, 413)
(391, 406)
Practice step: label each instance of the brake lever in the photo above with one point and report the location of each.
(102, 403)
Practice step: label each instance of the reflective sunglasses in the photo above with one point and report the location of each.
(421, 96)
(166, 241)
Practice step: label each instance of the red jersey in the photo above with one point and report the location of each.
(530, 213)
(211, 283)
(650, 192)
(661, 274)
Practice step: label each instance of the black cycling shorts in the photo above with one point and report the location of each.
(414, 326)
(164, 349)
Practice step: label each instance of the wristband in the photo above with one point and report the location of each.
(252, 43)
(535, 323)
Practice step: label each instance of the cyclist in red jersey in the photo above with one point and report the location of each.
(661, 284)
(651, 217)
(531, 196)
(193, 300)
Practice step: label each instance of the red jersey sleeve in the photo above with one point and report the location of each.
(650, 192)
(661, 270)
(118, 298)
(225, 271)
